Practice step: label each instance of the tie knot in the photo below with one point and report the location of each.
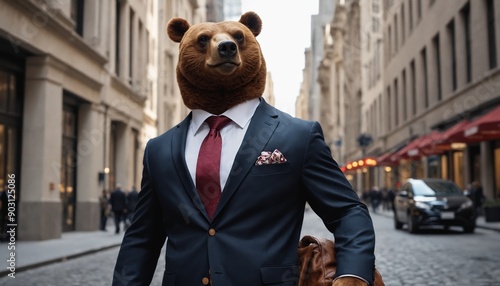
(217, 122)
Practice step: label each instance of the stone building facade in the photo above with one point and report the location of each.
(83, 86)
(171, 109)
(310, 89)
(441, 67)
(340, 81)
(423, 70)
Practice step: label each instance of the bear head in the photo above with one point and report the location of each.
(220, 64)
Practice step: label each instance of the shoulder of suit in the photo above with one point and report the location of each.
(287, 119)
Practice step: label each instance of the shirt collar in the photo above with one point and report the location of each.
(239, 114)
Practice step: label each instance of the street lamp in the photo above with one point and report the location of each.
(364, 140)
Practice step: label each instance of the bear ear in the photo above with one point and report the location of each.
(176, 29)
(252, 21)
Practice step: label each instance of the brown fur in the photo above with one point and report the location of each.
(205, 79)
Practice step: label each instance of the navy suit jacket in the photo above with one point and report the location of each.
(253, 237)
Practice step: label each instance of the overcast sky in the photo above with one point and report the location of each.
(286, 33)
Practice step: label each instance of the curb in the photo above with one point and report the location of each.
(4, 273)
(477, 225)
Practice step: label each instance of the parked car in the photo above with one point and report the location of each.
(423, 202)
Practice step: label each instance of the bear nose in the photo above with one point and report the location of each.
(227, 49)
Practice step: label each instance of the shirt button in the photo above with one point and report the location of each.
(205, 281)
(211, 232)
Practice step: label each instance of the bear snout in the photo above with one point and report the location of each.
(227, 49)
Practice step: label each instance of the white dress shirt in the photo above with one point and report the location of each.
(232, 136)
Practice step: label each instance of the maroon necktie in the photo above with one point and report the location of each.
(208, 166)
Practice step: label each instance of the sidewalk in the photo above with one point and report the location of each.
(31, 254)
(480, 222)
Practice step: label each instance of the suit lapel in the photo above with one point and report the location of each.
(179, 158)
(262, 126)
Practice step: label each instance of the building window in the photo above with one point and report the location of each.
(419, 9)
(437, 54)
(389, 46)
(378, 53)
(117, 37)
(396, 103)
(380, 119)
(403, 93)
(131, 42)
(451, 36)
(403, 24)
(423, 55)
(492, 48)
(413, 88)
(149, 53)
(76, 15)
(375, 24)
(67, 187)
(396, 43)
(10, 122)
(389, 105)
(465, 14)
(375, 6)
(410, 14)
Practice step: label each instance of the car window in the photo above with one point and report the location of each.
(435, 188)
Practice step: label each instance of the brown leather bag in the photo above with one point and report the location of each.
(317, 263)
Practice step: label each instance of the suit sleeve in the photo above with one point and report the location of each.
(333, 199)
(142, 243)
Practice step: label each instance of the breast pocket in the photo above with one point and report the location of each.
(270, 169)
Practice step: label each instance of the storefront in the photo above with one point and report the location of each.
(11, 114)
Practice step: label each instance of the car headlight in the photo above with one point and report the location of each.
(422, 205)
(467, 204)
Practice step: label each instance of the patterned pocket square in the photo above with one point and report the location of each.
(267, 158)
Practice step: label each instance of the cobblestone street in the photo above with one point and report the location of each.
(432, 257)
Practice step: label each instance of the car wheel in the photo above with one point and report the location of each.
(397, 224)
(469, 228)
(412, 224)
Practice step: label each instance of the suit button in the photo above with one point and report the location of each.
(211, 232)
(205, 281)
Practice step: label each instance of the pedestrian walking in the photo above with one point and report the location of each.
(104, 206)
(118, 202)
(477, 196)
(375, 198)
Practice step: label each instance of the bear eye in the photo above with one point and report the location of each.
(203, 40)
(238, 37)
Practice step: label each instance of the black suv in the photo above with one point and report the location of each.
(422, 202)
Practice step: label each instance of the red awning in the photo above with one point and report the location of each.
(453, 134)
(430, 144)
(386, 159)
(411, 150)
(486, 127)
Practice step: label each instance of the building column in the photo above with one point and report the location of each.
(40, 204)
(124, 41)
(90, 150)
(92, 21)
(487, 174)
